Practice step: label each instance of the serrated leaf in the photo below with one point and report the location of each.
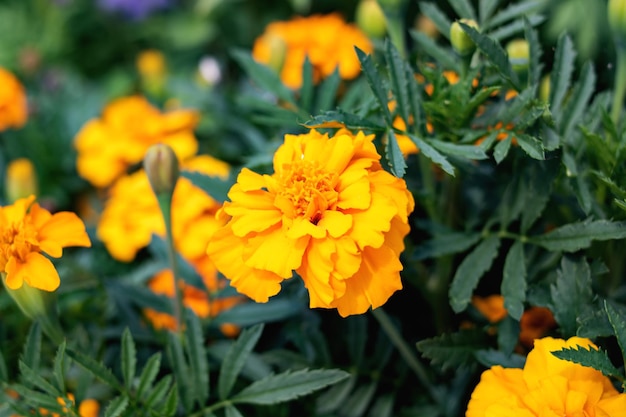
(32, 347)
(512, 12)
(439, 18)
(470, 271)
(618, 323)
(336, 395)
(535, 52)
(231, 411)
(288, 385)
(97, 369)
(116, 407)
(376, 83)
(148, 374)
(327, 92)
(501, 150)
(36, 398)
(247, 314)
(339, 118)
(160, 391)
(570, 294)
(129, 358)
(594, 323)
(444, 57)
(577, 102)
(181, 370)
(446, 244)
(263, 76)
(560, 78)
(531, 145)
(58, 368)
(37, 380)
(171, 402)
(453, 350)
(463, 8)
(576, 236)
(394, 155)
(589, 357)
(198, 363)
(399, 80)
(471, 152)
(513, 287)
(214, 186)
(359, 400)
(432, 154)
(494, 53)
(236, 358)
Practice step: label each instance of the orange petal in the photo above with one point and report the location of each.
(60, 231)
(274, 251)
(37, 271)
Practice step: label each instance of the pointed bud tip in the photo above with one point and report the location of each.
(161, 166)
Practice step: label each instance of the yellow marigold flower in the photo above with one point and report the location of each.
(151, 63)
(327, 40)
(27, 230)
(13, 105)
(329, 212)
(21, 179)
(128, 127)
(547, 386)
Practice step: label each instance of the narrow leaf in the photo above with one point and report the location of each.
(383, 407)
(513, 287)
(394, 155)
(618, 322)
(514, 11)
(399, 80)
(514, 27)
(97, 369)
(160, 391)
(577, 103)
(37, 380)
(486, 9)
(443, 56)
(198, 362)
(359, 401)
(531, 145)
(58, 369)
(590, 357)
(463, 8)
(463, 151)
(214, 186)
(501, 150)
(339, 118)
(560, 78)
(181, 370)
(535, 52)
(247, 314)
(129, 358)
(453, 350)
(171, 402)
(470, 271)
(327, 92)
(432, 154)
(148, 374)
(439, 18)
(288, 385)
(336, 395)
(231, 411)
(306, 92)
(446, 244)
(116, 407)
(236, 358)
(576, 236)
(376, 83)
(32, 347)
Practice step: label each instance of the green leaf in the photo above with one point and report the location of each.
(576, 236)
(618, 322)
(31, 354)
(531, 145)
(116, 407)
(445, 244)
(376, 84)
(356, 338)
(37, 399)
(148, 374)
(37, 380)
(181, 370)
(432, 154)
(236, 358)
(198, 362)
(470, 271)
(594, 323)
(231, 411)
(514, 11)
(339, 118)
(129, 358)
(288, 386)
(4, 375)
(359, 401)
(327, 92)
(58, 369)
(514, 27)
(335, 396)
(471, 152)
(214, 186)
(453, 350)
(589, 357)
(399, 81)
(444, 57)
(247, 314)
(508, 331)
(560, 78)
(486, 9)
(171, 402)
(539, 190)
(160, 390)
(463, 8)
(491, 357)
(439, 18)
(534, 45)
(577, 103)
(571, 294)
(263, 76)
(513, 287)
(383, 407)
(97, 369)
(501, 150)
(394, 155)
(494, 53)
(306, 92)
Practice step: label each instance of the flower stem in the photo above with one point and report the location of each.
(620, 84)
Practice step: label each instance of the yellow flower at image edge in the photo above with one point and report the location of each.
(27, 230)
(329, 212)
(13, 102)
(547, 387)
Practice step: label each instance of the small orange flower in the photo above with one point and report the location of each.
(329, 212)
(534, 324)
(503, 134)
(492, 307)
(13, 105)
(547, 386)
(327, 40)
(108, 146)
(27, 230)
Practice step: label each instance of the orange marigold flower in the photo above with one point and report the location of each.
(547, 386)
(13, 105)
(329, 212)
(327, 40)
(492, 307)
(128, 127)
(535, 323)
(27, 230)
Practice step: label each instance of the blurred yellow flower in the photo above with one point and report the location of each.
(13, 105)
(27, 230)
(329, 212)
(151, 63)
(128, 127)
(547, 386)
(492, 307)
(327, 40)
(20, 180)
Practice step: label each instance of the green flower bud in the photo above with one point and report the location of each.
(161, 166)
(278, 48)
(544, 88)
(519, 54)
(617, 16)
(371, 19)
(461, 42)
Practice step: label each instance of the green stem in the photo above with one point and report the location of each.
(620, 84)
(405, 351)
(211, 408)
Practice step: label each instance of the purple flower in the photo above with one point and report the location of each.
(134, 9)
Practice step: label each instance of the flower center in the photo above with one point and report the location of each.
(17, 240)
(309, 188)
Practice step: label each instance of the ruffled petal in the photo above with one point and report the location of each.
(315, 271)
(60, 231)
(335, 222)
(274, 251)
(36, 271)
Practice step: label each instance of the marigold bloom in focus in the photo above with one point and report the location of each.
(27, 230)
(13, 105)
(128, 127)
(329, 212)
(547, 386)
(327, 40)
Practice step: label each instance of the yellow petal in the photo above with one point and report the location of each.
(368, 226)
(62, 230)
(315, 272)
(273, 251)
(37, 271)
(302, 227)
(337, 223)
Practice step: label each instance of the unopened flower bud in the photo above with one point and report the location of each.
(20, 180)
(371, 19)
(519, 54)
(544, 88)
(617, 16)
(152, 69)
(461, 42)
(278, 52)
(161, 166)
